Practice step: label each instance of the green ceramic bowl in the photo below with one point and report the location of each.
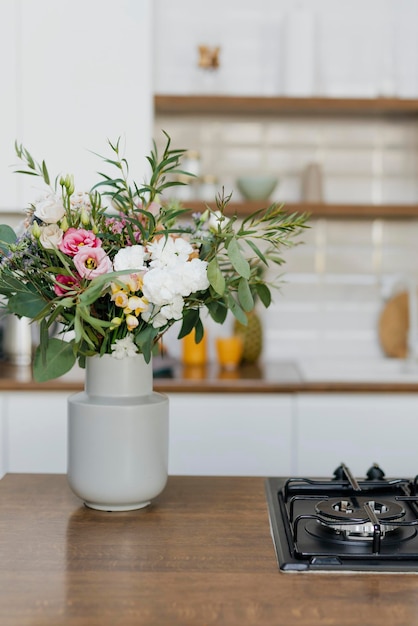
(257, 187)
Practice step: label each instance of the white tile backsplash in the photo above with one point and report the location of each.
(336, 283)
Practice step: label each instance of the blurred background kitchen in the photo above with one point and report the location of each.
(77, 73)
(320, 95)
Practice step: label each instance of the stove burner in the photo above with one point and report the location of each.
(344, 523)
(352, 516)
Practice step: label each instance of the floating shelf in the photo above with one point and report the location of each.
(343, 211)
(252, 105)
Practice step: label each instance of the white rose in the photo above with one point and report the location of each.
(130, 258)
(51, 236)
(51, 210)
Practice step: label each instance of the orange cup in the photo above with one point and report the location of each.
(194, 353)
(229, 351)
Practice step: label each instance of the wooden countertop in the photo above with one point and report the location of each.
(278, 377)
(201, 555)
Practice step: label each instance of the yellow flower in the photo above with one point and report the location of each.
(120, 298)
(131, 322)
(136, 304)
(129, 283)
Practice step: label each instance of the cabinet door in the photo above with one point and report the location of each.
(230, 434)
(358, 429)
(35, 432)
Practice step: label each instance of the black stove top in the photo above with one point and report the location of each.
(345, 523)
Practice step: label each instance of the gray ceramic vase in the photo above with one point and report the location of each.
(117, 435)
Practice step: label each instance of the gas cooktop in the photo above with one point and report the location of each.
(345, 523)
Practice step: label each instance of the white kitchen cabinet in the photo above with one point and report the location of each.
(238, 434)
(210, 434)
(358, 429)
(231, 434)
(35, 432)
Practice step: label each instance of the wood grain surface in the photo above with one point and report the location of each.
(200, 555)
(280, 377)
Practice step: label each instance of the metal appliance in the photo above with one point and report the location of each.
(343, 523)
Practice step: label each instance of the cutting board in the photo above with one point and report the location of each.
(394, 325)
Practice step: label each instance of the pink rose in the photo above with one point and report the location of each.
(92, 262)
(65, 284)
(76, 238)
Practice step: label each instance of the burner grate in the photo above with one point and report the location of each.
(345, 523)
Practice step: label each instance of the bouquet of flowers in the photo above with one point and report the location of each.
(118, 266)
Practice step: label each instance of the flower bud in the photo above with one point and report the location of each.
(131, 322)
(69, 183)
(85, 216)
(36, 231)
(116, 321)
(64, 224)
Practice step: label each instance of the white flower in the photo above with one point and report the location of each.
(130, 258)
(193, 277)
(171, 311)
(160, 286)
(169, 251)
(50, 236)
(124, 347)
(217, 220)
(50, 210)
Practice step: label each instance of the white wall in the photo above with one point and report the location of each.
(74, 74)
(361, 47)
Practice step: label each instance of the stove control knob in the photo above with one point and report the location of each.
(375, 473)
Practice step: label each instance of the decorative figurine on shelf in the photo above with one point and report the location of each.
(209, 57)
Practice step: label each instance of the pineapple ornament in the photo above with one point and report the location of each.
(252, 337)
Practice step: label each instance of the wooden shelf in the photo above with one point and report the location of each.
(254, 105)
(343, 211)
(233, 105)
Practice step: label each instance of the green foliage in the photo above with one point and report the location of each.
(42, 281)
(56, 360)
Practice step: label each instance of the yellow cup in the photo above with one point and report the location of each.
(229, 351)
(194, 353)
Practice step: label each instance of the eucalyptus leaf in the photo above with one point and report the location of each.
(264, 294)
(26, 304)
(216, 277)
(239, 262)
(7, 236)
(245, 296)
(199, 331)
(190, 319)
(59, 359)
(145, 340)
(236, 310)
(217, 310)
